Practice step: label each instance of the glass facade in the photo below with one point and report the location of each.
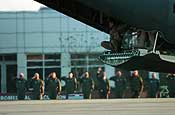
(8, 73)
(43, 64)
(80, 63)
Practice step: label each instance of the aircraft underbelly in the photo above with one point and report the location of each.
(145, 14)
(141, 13)
(170, 35)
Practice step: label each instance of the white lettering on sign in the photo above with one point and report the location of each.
(11, 97)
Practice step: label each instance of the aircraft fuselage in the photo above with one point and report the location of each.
(146, 14)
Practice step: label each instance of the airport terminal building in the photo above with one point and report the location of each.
(44, 41)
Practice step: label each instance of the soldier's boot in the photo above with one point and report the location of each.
(116, 45)
(109, 46)
(106, 45)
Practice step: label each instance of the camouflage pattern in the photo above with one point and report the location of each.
(53, 87)
(120, 86)
(70, 86)
(87, 87)
(153, 88)
(38, 89)
(103, 87)
(21, 86)
(115, 40)
(136, 86)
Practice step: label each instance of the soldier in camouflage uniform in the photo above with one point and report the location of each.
(136, 84)
(71, 84)
(103, 86)
(53, 85)
(153, 86)
(115, 31)
(171, 85)
(38, 87)
(120, 84)
(87, 85)
(21, 86)
(115, 40)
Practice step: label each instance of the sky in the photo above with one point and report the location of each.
(19, 5)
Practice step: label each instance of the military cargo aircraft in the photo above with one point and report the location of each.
(157, 15)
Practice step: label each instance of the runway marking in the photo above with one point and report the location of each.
(90, 107)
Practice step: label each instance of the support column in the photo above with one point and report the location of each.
(22, 64)
(65, 63)
(110, 71)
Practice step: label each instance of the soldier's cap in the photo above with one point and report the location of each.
(21, 74)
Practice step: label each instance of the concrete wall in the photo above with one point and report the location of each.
(45, 31)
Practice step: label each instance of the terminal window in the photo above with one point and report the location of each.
(83, 62)
(43, 64)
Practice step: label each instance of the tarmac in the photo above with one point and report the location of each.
(159, 106)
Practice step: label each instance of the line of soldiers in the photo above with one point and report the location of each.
(52, 85)
(136, 85)
(22, 85)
